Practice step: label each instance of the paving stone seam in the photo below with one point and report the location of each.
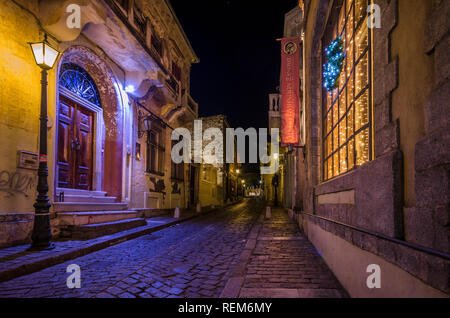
(236, 281)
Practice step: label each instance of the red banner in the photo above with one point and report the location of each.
(290, 85)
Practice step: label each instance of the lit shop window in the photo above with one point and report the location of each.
(347, 119)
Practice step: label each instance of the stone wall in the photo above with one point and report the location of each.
(375, 207)
(428, 223)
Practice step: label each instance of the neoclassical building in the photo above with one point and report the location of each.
(371, 180)
(117, 91)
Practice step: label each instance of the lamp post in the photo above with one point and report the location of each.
(45, 57)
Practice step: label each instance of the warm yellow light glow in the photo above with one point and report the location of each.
(50, 56)
(44, 55)
(346, 138)
(237, 171)
(38, 52)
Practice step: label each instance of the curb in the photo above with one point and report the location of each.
(38, 264)
(234, 284)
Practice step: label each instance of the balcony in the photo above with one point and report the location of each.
(173, 85)
(274, 103)
(192, 105)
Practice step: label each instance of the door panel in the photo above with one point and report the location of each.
(65, 137)
(83, 165)
(75, 146)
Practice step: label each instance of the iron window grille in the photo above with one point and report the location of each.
(78, 81)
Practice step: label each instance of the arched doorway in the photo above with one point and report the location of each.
(89, 143)
(79, 105)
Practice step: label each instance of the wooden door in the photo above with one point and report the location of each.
(75, 145)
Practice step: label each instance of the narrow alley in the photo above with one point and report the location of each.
(199, 258)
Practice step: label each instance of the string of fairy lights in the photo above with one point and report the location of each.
(340, 124)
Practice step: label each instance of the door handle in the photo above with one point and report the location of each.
(76, 145)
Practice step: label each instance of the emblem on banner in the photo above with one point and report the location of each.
(290, 48)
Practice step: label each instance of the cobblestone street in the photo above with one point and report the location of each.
(195, 259)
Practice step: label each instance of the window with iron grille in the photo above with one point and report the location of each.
(347, 110)
(156, 42)
(176, 71)
(123, 4)
(140, 21)
(155, 150)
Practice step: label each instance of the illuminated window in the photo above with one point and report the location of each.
(78, 81)
(347, 109)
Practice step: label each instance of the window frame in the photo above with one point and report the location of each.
(333, 27)
(158, 148)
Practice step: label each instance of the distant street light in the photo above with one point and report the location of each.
(45, 57)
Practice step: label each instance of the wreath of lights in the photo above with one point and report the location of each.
(333, 68)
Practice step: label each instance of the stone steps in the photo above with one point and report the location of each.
(83, 196)
(88, 206)
(88, 199)
(77, 192)
(86, 218)
(89, 214)
(91, 231)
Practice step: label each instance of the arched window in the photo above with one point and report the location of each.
(347, 93)
(79, 82)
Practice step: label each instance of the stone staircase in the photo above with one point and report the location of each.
(90, 214)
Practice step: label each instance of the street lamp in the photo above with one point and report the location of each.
(45, 57)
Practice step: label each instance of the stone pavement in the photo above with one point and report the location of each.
(17, 260)
(191, 259)
(282, 263)
(195, 259)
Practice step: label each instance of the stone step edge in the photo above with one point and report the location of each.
(104, 224)
(88, 213)
(64, 256)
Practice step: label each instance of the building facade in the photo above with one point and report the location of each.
(371, 182)
(218, 180)
(276, 187)
(118, 89)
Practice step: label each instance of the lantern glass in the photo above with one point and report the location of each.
(44, 55)
(50, 55)
(38, 52)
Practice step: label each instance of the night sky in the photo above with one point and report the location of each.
(239, 55)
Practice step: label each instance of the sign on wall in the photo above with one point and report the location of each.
(290, 85)
(27, 160)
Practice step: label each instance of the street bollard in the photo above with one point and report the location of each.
(268, 212)
(199, 207)
(177, 213)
